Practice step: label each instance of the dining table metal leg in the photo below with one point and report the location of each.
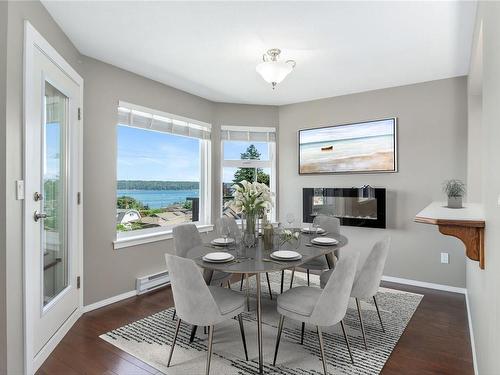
(247, 291)
(259, 324)
(282, 280)
(269, 286)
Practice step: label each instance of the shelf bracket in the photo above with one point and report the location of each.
(472, 237)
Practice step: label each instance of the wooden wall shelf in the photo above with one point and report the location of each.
(466, 224)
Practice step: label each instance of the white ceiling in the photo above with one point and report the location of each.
(211, 48)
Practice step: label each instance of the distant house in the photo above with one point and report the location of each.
(124, 216)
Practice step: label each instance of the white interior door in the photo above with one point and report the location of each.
(52, 212)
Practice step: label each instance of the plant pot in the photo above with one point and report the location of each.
(455, 202)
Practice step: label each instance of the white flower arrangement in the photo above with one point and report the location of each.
(251, 198)
(288, 235)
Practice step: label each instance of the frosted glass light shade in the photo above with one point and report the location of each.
(274, 71)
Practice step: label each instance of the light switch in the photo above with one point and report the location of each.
(19, 190)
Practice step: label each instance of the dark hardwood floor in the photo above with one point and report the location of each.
(436, 340)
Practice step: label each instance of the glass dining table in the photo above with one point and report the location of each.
(256, 261)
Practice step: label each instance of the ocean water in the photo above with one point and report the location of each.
(345, 148)
(158, 198)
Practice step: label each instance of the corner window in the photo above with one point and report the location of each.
(162, 171)
(247, 154)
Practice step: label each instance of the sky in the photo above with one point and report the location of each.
(368, 129)
(155, 156)
(52, 144)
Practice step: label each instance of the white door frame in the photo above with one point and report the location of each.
(33, 40)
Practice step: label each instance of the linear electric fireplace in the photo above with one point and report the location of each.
(358, 207)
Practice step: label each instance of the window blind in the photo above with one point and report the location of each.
(162, 123)
(254, 134)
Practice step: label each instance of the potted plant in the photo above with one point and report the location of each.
(250, 199)
(455, 190)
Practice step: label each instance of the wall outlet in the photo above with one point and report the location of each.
(444, 258)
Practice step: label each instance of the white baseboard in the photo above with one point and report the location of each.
(109, 301)
(471, 335)
(424, 284)
(44, 353)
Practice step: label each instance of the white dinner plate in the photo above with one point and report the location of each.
(309, 230)
(218, 257)
(222, 241)
(286, 255)
(326, 241)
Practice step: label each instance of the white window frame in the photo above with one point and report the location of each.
(142, 236)
(271, 163)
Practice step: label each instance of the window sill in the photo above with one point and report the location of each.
(139, 239)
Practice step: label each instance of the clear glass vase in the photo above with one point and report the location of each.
(250, 233)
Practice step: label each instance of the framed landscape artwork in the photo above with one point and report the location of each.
(363, 147)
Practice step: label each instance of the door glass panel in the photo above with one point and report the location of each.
(54, 238)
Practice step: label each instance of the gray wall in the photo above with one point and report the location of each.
(483, 285)
(41, 20)
(109, 272)
(432, 133)
(3, 72)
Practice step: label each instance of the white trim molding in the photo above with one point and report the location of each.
(33, 41)
(43, 354)
(424, 284)
(109, 301)
(134, 239)
(471, 334)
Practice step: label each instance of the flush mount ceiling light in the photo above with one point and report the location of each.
(272, 70)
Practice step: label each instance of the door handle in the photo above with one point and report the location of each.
(39, 215)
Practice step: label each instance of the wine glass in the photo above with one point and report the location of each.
(290, 219)
(316, 225)
(224, 231)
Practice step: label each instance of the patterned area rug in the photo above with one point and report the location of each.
(149, 339)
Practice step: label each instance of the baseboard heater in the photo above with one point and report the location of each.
(148, 283)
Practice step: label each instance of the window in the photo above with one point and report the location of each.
(162, 171)
(247, 154)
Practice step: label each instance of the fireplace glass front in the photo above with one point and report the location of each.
(363, 207)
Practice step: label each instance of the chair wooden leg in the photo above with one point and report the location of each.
(241, 283)
(378, 313)
(280, 328)
(308, 281)
(361, 323)
(302, 333)
(242, 330)
(173, 342)
(322, 349)
(347, 341)
(282, 280)
(291, 280)
(269, 286)
(209, 351)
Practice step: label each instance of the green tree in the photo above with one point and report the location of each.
(248, 174)
(125, 202)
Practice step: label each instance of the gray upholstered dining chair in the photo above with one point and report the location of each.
(235, 232)
(331, 225)
(187, 237)
(200, 304)
(367, 280)
(320, 307)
